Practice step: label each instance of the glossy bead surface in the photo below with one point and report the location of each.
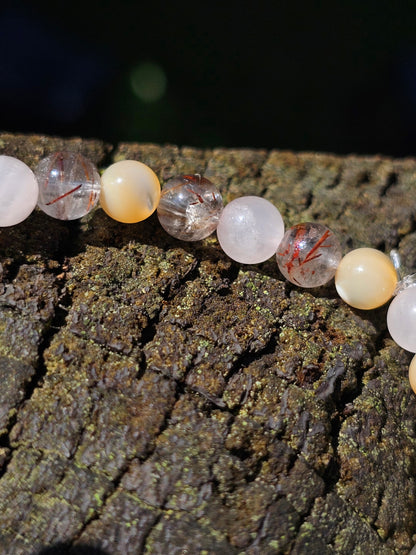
(401, 319)
(250, 229)
(309, 254)
(189, 207)
(365, 278)
(18, 191)
(69, 185)
(130, 191)
(412, 375)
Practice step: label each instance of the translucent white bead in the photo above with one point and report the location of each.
(69, 185)
(250, 229)
(401, 319)
(18, 191)
(365, 278)
(130, 191)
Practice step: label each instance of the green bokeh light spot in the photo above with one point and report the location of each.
(148, 81)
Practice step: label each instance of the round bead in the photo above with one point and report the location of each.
(250, 229)
(189, 207)
(69, 185)
(18, 191)
(412, 374)
(309, 255)
(401, 319)
(365, 278)
(130, 191)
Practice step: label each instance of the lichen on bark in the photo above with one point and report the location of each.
(160, 398)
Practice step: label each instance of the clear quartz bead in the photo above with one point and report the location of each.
(69, 185)
(309, 254)
(250, 229)
(403, 281)
(189, 207)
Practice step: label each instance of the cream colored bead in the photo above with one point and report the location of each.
(365, 278)
(130, 191)
(412, 374)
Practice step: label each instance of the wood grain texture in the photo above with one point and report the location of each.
(159, 398)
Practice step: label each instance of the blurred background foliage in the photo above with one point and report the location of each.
(330, 76)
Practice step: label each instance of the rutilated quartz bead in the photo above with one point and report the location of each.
(189, 207)
(69, 185)
(130, 191)
(309, 254)
(365, 278)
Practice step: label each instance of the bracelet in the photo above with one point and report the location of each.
(250, 229)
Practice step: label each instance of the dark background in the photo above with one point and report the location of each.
(330, 76)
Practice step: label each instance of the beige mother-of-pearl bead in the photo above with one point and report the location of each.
(130, 191)
(412, 374)
(365, 278)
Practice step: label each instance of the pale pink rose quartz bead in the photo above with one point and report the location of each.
(18, 191)
(401, 319)
(250, 229)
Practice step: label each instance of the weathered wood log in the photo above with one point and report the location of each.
(159, 398)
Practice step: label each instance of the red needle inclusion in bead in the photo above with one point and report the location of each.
(70, 185)
(301, 259)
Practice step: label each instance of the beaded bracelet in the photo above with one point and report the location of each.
(250, 229)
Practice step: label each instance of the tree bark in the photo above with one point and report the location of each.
(159, 398)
